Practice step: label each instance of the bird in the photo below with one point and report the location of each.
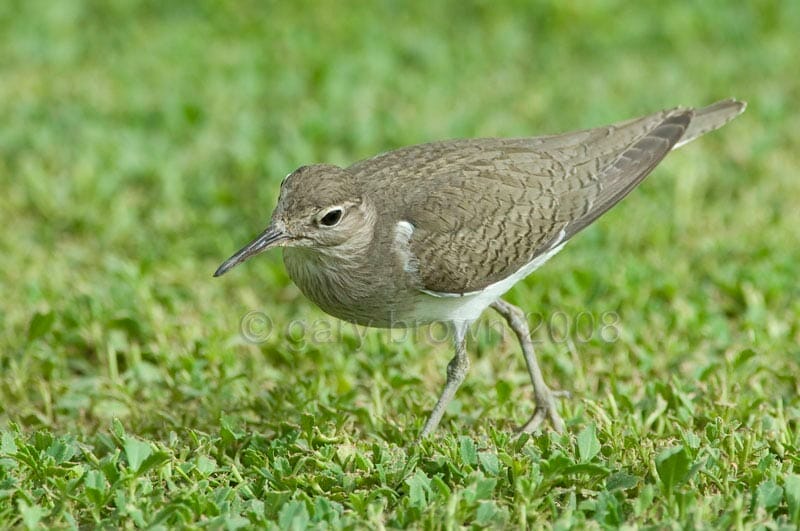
(439, 232)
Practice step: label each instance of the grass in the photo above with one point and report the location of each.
(143, 142)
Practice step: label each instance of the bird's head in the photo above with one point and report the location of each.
(319, 208)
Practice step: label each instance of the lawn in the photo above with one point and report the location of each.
(142, 142)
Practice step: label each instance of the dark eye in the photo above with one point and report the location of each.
(331, 218)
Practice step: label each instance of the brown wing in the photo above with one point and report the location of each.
(484, 208)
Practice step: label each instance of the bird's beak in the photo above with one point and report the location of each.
(274, 236)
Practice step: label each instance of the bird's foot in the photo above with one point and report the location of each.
(546, 409)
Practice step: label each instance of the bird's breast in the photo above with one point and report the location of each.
(349, 288)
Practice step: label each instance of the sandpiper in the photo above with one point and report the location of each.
(439, 232)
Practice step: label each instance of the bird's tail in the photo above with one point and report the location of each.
(709, 118)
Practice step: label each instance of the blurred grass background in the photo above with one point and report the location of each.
(141, 142)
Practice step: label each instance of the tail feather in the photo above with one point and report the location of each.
(710, 118)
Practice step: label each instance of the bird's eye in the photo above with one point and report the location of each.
(331, 218)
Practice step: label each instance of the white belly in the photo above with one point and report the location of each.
(434, 306)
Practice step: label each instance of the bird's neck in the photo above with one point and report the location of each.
(328, 275)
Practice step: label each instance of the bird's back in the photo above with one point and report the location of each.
(481, 209)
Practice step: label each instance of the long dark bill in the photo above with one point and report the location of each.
(268, 238)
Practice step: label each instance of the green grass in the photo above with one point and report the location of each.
(142, 142)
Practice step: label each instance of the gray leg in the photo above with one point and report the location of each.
(545, 398)
(456, 372)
